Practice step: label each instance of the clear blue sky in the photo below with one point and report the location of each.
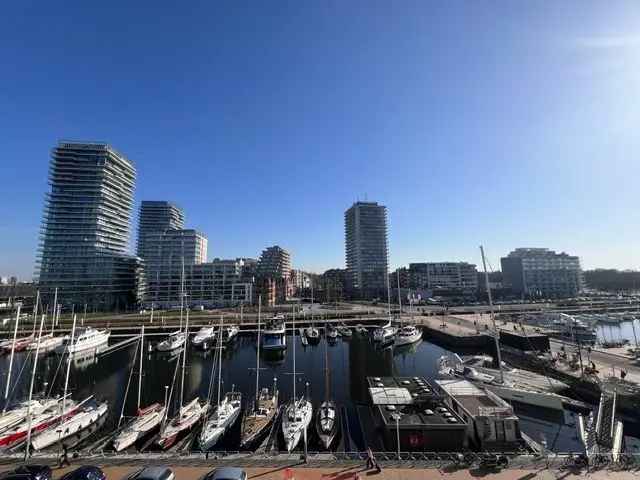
(496, 122)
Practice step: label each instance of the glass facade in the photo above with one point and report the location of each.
(86, 227)
(366, 250)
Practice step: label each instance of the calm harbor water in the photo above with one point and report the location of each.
(350, 362)
(612, 332)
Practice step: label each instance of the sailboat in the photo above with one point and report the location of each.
(257, 419)
(74, 418)
(176, 339)
(49, 342)
(506, 387)
(188, 415)
(226, 411)
(147, 419)
(385, 334)
(407, 334)
(311, 332)
(298, 413)
(19, 412)
(327, 418)
(32, 416)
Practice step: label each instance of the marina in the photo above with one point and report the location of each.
(352, 362)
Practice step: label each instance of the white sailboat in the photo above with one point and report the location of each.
(19, 412)
(146, 420)
(386, 333)
(407, 334)
(82, 416)
(259, 416)
(226, 411)
(188, 415)
(12, 416)
(327, 417)
(298, 413)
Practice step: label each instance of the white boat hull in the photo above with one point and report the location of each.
(293, 430)
(78, 422)
(82, 345)
(188, 417)
(212, 432)
(138, 429)
(528, 397)
(402, 340)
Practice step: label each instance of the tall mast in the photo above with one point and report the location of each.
(220, 361)
(184, 357)
(66, 379)
(293, 338)
(182, 289)
(258, 354)
(54, 311)
(399, 300)
(327, 383)
(493, 318)
(13, 349)
(386, 275)
(311, 304)
(35, 312)
(33, 376)
(140, 370)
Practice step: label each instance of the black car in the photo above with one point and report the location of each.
(85, 473)
(28, 472)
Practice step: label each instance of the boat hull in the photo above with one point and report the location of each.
(78, 422)
(292, 431)
(537, 399)
(139, 429)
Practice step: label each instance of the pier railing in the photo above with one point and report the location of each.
(443, 460)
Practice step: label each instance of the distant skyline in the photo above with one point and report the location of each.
(494, 123)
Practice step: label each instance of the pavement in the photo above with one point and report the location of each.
(358, 472)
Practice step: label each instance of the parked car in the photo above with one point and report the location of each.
(87, 472)
(152, 473)
(226, 473)
(28, 472)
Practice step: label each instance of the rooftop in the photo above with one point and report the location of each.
(412, 401)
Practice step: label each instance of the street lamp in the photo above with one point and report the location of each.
(396, 417)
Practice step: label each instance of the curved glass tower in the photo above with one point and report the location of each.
(86, 228)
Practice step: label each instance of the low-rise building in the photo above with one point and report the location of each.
(542, 273)
(491, 422)
(210, 284)
(410, 408)
(446, 275)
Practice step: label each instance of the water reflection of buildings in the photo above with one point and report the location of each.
(365, 360)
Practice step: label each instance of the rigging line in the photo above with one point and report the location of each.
(53, 382)
(17, 382)
(126, 391)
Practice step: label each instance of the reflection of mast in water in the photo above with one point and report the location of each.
(365, 360)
